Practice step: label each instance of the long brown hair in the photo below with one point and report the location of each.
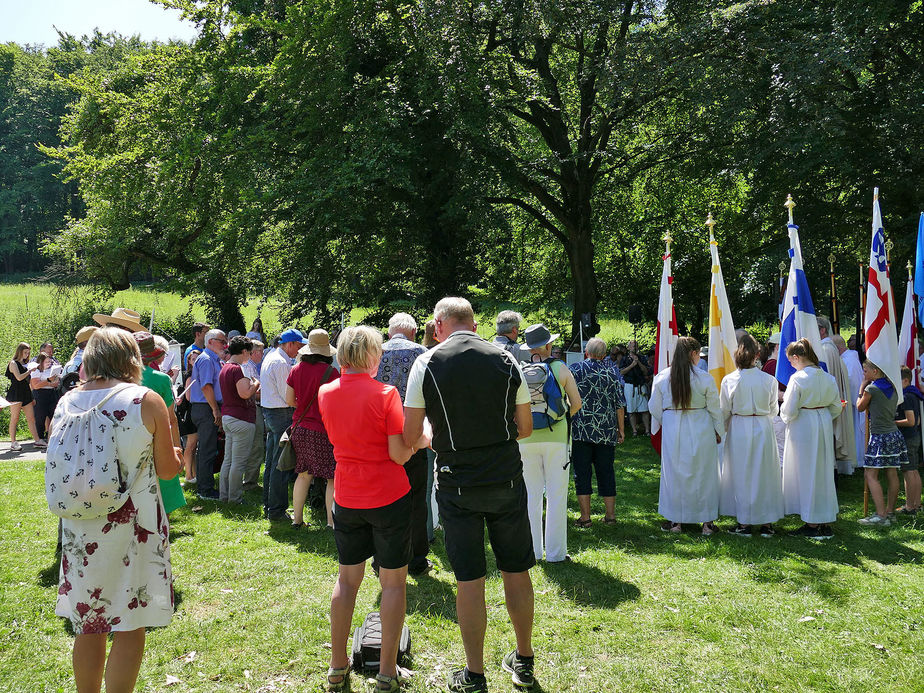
(803, 348)
(681, 365)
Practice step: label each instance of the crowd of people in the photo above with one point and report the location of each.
(458, 433)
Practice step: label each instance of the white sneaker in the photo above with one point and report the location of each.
(875, 519)
(15, 446)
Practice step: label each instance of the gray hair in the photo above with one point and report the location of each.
(839, 342)
(823, 324)
(213, 334)
(456, 309)
(401, 322)
(161, 343)
(507, 320)
(596, 348)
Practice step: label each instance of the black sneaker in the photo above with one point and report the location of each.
(824, 532)
(463, 681)
(520, 668)
(767, 531)
(741, 530)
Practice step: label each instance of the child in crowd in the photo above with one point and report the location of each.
(908, 420)
(810, 404)
(886, 448)
(751, 486)
(684, 400)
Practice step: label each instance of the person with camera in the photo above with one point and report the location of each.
(635, 369)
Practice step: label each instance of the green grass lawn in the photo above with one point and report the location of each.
(638, 610)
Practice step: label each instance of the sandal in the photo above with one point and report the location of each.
(343, 673)
(609, 520)
(583, 524)
(905, 510)
(299, 525)
(673, 527)
(709, 529)
(386, 684)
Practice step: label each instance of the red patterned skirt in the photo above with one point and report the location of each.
(314, 453)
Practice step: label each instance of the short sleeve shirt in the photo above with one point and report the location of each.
(600, 385)
(205, 372)
(881, 410)
(911, 403)
(359, 414)
(305, 379)
(160, 383)
(233, 404)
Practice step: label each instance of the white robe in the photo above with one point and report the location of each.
(851, 360)
(751, 486)
(810, 404)
(689, 453)
(845, 445)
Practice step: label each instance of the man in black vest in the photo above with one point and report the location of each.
(475, 398)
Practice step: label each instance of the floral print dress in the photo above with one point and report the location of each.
(115, 570)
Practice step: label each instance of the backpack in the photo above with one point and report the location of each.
(83, 478)
(367, 644)
(547, 401)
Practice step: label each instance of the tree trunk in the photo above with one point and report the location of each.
(580, 248)
(223, 305)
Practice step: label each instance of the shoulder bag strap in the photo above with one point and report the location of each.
(327, 372)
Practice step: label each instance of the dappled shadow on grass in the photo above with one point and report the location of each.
(48, 577)
(430, 596)
(315, 538)
(588, 585)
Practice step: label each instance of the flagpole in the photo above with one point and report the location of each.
(782, 296)
(835, 317)
(861, 313)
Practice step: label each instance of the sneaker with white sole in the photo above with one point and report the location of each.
(520, 668)
(875, 520)
(15, 446)
(461, 681)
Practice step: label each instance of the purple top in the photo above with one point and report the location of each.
(232, 404)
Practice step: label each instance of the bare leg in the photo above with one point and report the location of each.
(584, 504)
(329, 502)
(124, 661)
(646, 419)
(609, 502)
(189, 455)
(875, 490)
(633, 421)
(472, 615)
(913, 489)
(89, 660)
(30, 419)
(300, 495)
(14, 419)
(392, 608)
(892, 476)
(342, 604)
(518, 593)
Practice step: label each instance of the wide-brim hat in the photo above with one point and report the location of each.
(84, 333)
(537, 336)
(318, 344)
(123, 317)
(150, 352)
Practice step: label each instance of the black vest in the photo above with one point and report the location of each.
(470, 388)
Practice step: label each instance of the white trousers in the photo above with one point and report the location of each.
(544, 470)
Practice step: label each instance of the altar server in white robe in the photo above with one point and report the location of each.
(851, 361)
(684, 400)
(845, 445)
(810, 404)
(751, 486)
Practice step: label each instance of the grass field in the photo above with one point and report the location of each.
(638, 610)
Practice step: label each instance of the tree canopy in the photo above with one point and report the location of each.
(383, 154)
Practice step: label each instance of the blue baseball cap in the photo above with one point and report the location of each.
(292, 335)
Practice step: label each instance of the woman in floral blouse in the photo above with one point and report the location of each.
(115, 570)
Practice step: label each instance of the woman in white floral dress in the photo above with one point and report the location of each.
(115, 570)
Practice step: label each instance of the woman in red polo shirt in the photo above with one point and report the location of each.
(364, 420)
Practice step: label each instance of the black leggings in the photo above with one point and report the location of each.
(45, 401)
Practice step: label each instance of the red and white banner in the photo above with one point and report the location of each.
(879, 323)
(666, 336)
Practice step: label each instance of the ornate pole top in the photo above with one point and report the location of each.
(782, 267)
(789, 204)
(910, 269)
(710, 222)
(831, 259)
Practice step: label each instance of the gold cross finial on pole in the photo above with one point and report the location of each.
(831, 259)
(888, 246)
(789, 204)
(782, 267)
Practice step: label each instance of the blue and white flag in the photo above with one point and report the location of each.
(799, 318)
(919, 270)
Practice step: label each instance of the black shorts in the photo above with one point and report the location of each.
(502, 507)
(914, 454)
(381, 532)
